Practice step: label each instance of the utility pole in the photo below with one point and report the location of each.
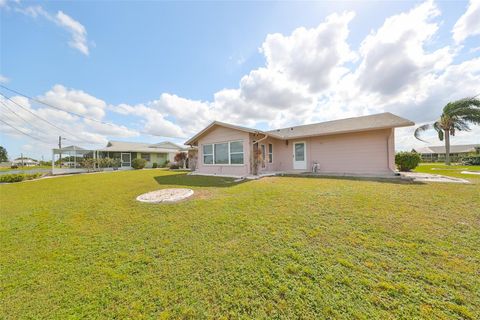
(21, 158)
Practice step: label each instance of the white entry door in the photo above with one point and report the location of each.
(299, 156)
(126, 160)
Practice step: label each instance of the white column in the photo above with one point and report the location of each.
(53, 160)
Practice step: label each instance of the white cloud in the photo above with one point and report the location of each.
(76, 29)
(469, 23)
(154, 122)
(394, 58)
(34, 12)
(311, 56)
(76, 129)
(4, 79)
(75, 101)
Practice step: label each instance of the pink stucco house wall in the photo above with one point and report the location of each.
(362, 145)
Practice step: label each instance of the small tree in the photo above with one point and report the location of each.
(180, 158)
(407, 161)
(3, 154)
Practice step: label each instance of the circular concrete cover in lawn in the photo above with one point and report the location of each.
(166, 195)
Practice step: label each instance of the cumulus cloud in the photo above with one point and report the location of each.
(469, 23)
(75, 101)
(394, 58)
(311, 56)
(154, 122)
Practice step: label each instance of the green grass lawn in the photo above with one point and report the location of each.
(82, 247)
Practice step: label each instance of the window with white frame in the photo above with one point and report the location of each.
(270, 153)
(208, 153)
(224, 153)
(236, 152)
(220, 152)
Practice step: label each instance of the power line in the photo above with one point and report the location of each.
(24, 133)
(23, 119)
(41, 118)
(79, 115)
(57, 108)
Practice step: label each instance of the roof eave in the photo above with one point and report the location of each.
(194, 139)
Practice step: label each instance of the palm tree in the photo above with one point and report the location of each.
(457, 115)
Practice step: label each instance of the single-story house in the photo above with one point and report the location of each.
(25, 162)
(360, 145)
(437, 153)
(153, 153)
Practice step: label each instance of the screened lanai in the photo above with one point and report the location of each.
(73, 159)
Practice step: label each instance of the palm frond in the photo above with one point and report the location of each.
(461, 113)
(461, 125)
(420, 130)
(438, 127)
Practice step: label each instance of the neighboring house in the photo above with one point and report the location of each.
(361, 145)
(437, 153)
(153, 153)
(25, 162)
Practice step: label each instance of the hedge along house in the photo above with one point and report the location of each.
(125, 152)
(359, 146)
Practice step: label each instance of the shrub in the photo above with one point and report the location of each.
(155, 165)
(88, 164)
(407, 161)
(17, 177)
(116, 163)
(165, 164)
(14, 177)
(105, 162)
(174, 166)
(139, 163)
(473, 160)
(13, 166)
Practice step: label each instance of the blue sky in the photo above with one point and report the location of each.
(160, 70)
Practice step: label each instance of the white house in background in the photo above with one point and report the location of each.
(438, 153)
(25, 162)
(157, 153)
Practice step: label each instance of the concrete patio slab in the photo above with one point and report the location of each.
(427, 177)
